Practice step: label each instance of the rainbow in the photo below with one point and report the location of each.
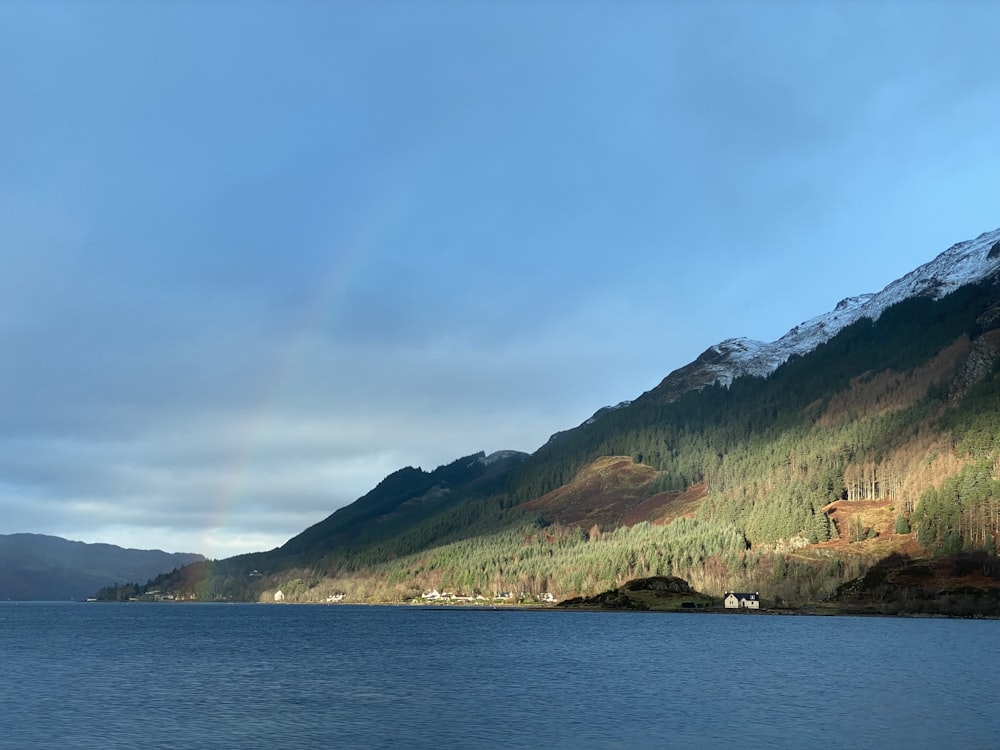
(386, 210)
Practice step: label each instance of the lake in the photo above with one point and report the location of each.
(271, 676)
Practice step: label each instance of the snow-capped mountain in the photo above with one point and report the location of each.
(961, 264)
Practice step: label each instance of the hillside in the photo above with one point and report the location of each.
(614, 491)
(789, 468)
(404, 499)
(35, 567)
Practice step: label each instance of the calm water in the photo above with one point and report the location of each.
(254, 676)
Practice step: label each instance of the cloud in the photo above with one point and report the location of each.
(174, 459)
(255, 262)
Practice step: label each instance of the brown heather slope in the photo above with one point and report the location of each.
(684, 504)
(611, 492)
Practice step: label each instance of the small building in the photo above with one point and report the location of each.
(742, 600)
(279, 596)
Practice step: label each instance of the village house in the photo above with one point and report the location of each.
(740, 600)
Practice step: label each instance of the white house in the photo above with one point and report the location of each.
(740, 600)
(279, 596)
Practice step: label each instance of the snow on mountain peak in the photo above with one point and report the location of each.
(852, 302)
(964, 263)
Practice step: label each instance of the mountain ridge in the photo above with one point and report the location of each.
(963, 263)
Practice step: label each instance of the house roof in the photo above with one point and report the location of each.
(754, 596)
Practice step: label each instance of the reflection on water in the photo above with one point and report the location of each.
(256, 676)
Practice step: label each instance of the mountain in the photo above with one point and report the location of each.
(962, 264)
(405, 498)
(789, 468)
(35, 567)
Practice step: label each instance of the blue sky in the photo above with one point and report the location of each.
(256, 256)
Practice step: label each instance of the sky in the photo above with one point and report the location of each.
(256, 256)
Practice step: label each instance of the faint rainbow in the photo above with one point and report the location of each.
(381, 214)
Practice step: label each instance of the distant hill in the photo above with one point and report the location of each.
(36, 567)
